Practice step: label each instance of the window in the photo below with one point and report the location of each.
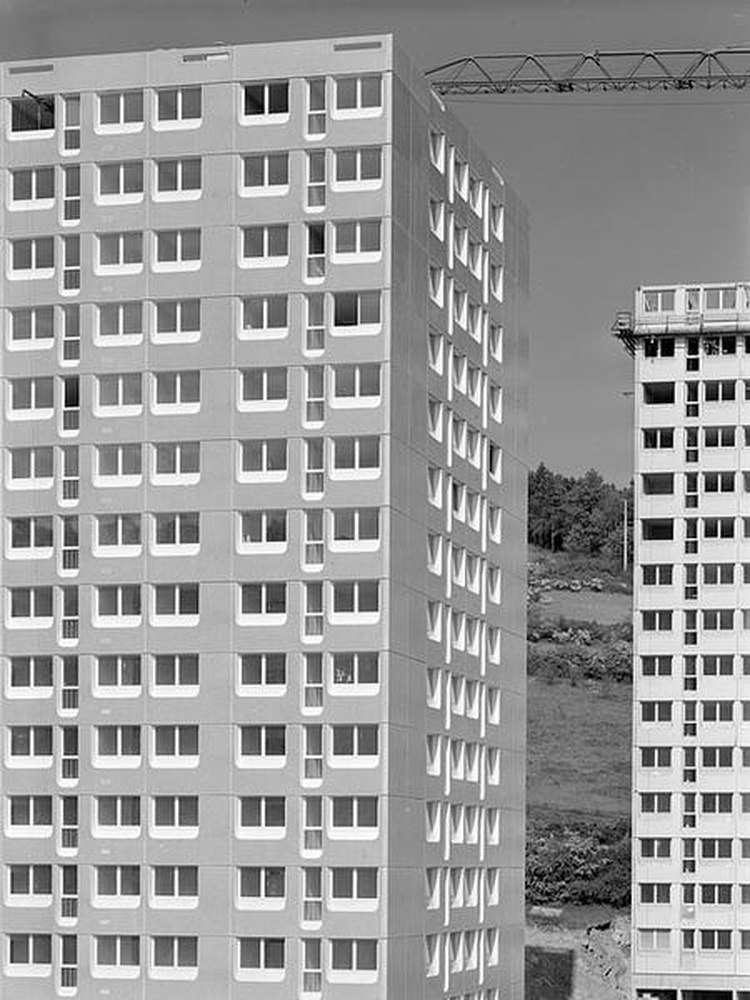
(354, 955)
(655, 847)
(656, 711)
(30, 536)
(121, 111)
(655, 574)
(177, 530)
(172, 670)
(176, 392)
(720, 392)
(33, 326)
(177, 461)
(261, 953)
(266, 246)
(176, 106)
(29, 884)
(653, 666)
(28, 950)
(656, 757)
(265, 174)
(354, 883)
(118, 462)
(356, 455)
(263, 598)
(349, 812)
(263, 459)
(120, 252)
(117, 951)
(657, 529)
(118, 602)
(263, 670)
(266, 743)
(30, 607)
(655, 802)
(176, 600)
(718, 619)
(355, 525)
(658, 393)
(32, 113)
(119, 741)
(30, 676)
(32, 258)
(177, 249)
(120, 813)
(31, 398)
(718, 482)
(715, 940)
(264, 388)
(177, 320)
(262, 884)
(118, 671)
(359, 384)
(718, 527)
(30, 468)
(119, 323)
(718, 437)
(265, 316)
(718, 573)
(267, 100)
(117, 880)
(29, 815)
(354, 740)
(359, 167)
(32, 185)
(262, 813)
(356, 309)
(119, 395)
(717, 711)
(653, 939)
(358, 239)
(179, 179)
(658, 483)
(175, 812)
(263, 527)
(658, 437)
(29, 745)
(173, 885)
(359, 95)
(356, 596)
(170, 743)
(121, 181)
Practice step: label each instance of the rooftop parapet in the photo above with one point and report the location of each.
(686, 308)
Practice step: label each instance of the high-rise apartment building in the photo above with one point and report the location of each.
(691, 765)
(263, 496)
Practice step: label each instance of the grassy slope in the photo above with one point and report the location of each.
(579, 737)
(578, 749)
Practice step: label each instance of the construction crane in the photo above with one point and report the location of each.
(594, 72)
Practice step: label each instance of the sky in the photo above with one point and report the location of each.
(623, 190)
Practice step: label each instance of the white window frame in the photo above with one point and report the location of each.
(357, 183)
(34, 271)
(357, 399)
(35, 943)
(354, 903)
(358, 971)
(264, 474)
(266, 188)
(120, 689)
(32, 759)
(178, 734)
(264, 689)
(176, 830)
(263, 900)
(37, 524)
(262, 831)
(118, 478)
(355, 759)
(264, 759)
(355, 543)
(127, 193)
(33, 874)
(357, 255)
(183, 118)
(264, 545)
(184, 258)
(118, 899)
(177, 618)
(178, 477)
(123, 245)
(176, 899)
(119, 408)
(362, 107)
(33, 481)
(181, 191)
(182, 382)
(264, 617)
(117, 830)
(187, 315)
(180, 687)
(265, 259)
(32, 620)
(261, 972)
(37, 668)
(33, 829)
(355, 830)
(34, 203)
(265, 117)
(121, 312)
(41, 328)
(178, 547)
(266, 304)
(358, 328)
(127, 121)
(36, 384)
(118, 620)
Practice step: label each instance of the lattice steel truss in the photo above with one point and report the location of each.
(592, 72)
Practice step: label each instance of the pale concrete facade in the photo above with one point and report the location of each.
(691, 809)
(263, 563)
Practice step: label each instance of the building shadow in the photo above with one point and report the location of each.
(549, 973)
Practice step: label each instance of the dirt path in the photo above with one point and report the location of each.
(577, 964)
